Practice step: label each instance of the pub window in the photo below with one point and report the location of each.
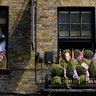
(76, 26)
(3, 37)
(75, 23)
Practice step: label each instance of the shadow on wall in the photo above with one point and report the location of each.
(19, 53)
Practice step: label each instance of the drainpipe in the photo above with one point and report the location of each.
(33, 32)
(32, 24)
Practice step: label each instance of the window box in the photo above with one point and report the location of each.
(73, 73)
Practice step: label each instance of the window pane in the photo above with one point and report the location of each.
(76, 22)
(3, 14)
(64, 17)
(75, 30)
(86, 17)
(75, 17)
(86, 31)
(63, 30)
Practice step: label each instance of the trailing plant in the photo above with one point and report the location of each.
(76, 81)
(82, 79)
(57, 80)
(65, 81)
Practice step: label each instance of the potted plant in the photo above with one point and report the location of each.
(70, 70)
(57, 70)
(80, 70)
(63, 73)
(92, 69)
(76, 53)
(88, 54)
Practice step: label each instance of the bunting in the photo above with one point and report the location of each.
(2, 55)
(81, 55)
(72, 54)
(60, 53)
(75, 75)
(65, 73)
(87, 75)
(94, 56)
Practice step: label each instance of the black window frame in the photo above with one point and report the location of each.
(78, 39)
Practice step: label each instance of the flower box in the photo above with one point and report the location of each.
(90, 84)
(74, 73)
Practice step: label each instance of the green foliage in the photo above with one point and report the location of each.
(71, 62)
(80, 70)
(63, 63)
(57, 70)
(70, 69)
(88, 54)
(66, 50)
(82, 79)
(76, 81)
(65, 81)
(1, 63)
(57, 80)
(92, 69)
(76, 53)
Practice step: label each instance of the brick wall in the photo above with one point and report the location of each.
(20, 54)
